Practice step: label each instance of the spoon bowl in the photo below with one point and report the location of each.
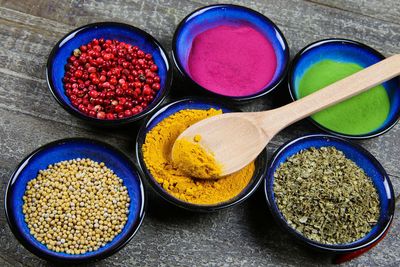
(254, 141)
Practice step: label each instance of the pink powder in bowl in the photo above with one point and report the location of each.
(232, 60)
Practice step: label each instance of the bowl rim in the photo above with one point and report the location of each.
(336, 248)
(260, 174)
(311, 46)
(266, 89)
(153, 105)
(106, 253)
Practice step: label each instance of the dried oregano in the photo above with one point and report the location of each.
(326, 196)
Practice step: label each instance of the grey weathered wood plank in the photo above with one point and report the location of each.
(22, 133)
(28, 95)
(309, 18)
(9, 262)
(386, 10)
(306, 19)
(244, 235)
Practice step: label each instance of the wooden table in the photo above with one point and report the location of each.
(244, 235)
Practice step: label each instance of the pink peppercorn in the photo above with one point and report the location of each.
(109, 79)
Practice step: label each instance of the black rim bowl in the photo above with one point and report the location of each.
(118, 122)
(187, 77)
(259, 174)
(38, 252)
(297, 236)
(292, 93)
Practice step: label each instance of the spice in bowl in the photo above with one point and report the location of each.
(193, 159)
(157, 148)
(324, 62)
(109, 79)
(358, 115)
(326, 196)
(232, 60)
(76, 206)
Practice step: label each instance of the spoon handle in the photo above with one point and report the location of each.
(340, 90)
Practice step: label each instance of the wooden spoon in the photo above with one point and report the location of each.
(235, 139)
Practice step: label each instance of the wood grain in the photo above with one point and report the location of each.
(385, 10)
(241, 236)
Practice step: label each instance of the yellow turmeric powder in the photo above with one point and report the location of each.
(197, 138)
(193, 159)
(156, 153)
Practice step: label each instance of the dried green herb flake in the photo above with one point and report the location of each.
(326, 196)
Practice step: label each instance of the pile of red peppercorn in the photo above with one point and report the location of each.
(108, 79)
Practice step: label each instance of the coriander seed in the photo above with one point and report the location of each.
(76, 206)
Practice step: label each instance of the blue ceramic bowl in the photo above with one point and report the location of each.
(225, 14)
(108, 30)
(67, 149)
(364, 160)
(343, 50)
(200, 104)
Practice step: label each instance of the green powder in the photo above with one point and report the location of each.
(360, 114)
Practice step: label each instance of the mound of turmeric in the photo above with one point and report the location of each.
(157, 156)
(193, 159)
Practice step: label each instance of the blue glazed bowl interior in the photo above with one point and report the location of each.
(217, 15)
(363, 159)
(66, 150)
(197, 104)
(348, 52)
(106, 30)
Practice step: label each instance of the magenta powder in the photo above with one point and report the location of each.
(232, 60)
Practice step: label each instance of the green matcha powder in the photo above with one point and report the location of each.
(359, 115)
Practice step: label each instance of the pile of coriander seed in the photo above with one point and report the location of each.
(76, 206)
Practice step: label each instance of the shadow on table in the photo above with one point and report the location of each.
(161, 210)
